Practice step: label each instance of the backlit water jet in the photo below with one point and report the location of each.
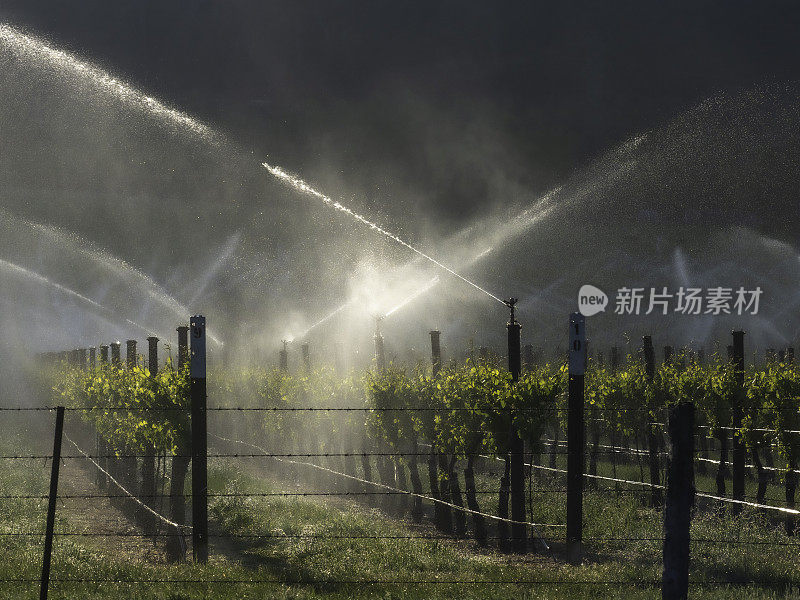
(29, 47)
(68, 241)
(302, 186)
(21, 271)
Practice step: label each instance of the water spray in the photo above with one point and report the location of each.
(301, 186)
(28, 46)
(16, 269)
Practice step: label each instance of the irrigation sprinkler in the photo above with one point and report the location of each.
(130, 354)
(380, 356)
(576, 436)
(197, 393)
(283, 356)
(516, 445)
(436, 351)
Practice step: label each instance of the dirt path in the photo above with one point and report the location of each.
(102, 516)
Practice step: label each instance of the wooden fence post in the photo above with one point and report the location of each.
(130, 353)
(197, 391)
(679, 502)
(436, 351)
(51, 506)
(149, 458)
(656, 494)
(304, 351)
(116, 357)
(738, 443)
(516, 445)
(576, 436)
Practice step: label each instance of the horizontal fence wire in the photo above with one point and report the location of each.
(383, 537)
(127, 494)
(643, 583)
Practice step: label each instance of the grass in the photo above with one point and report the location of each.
(316, 546)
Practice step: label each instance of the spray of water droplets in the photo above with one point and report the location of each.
(16, 269)
(26, 46)
(302, 186)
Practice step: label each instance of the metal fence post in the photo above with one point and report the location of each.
(51, 506)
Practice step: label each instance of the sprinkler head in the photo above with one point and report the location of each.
(378, 319)
(511, 303)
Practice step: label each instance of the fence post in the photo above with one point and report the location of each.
(92, 358)
(283, 357)
(576, 436)
(51, 506)
(516, 445)
(679, 502)
(738, 444)
(116, 359)
(656, 494)
(527, 357)
(149, 458)
(197, 391)
(306, 357)
(436, 352)
(130, 354)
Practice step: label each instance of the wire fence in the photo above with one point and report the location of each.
(322, 475)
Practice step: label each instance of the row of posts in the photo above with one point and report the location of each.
(195, 353)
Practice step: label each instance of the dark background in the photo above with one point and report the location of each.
(542, 86)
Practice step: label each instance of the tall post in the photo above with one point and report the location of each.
(149, 459)
(51, 506)
(338, 358)
(197, 392)
(656, 494)
(152, 355)
(283, 357)
(92, 358)
(380, 355)
(116, 358)
(82, 358)
(103, 355)
(527, 357)
(436, 351)
(130, 354)
(576, 436)
(183, 345)
(738, 444)
(679, 502)
(306, 357)
(516, 444)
